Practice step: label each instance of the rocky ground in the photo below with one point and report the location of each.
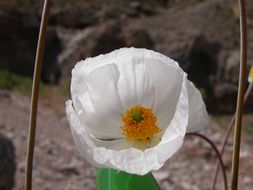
(58, 166)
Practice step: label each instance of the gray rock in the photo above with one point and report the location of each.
(18, 36)
(137, 37)
(100, 40)
(8, 164)
(74, 17)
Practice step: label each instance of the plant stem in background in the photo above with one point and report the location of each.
(228, 132)
(203, 137)
(241, 88)
(35, 94)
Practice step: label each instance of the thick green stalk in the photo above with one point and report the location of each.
(241, 89)
(35, 95)
(111, 179)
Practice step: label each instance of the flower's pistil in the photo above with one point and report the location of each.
(139, 123)
(251, 75)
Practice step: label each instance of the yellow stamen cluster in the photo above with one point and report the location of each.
(251, 75)
(142, 128)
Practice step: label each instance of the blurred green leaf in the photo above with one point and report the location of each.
(11, 81)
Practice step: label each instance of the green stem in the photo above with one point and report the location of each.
(241, 88)
(111, 179)
(35, 95)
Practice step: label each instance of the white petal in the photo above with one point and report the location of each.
(174, 134)
(103, 122)
(90, 64)
(106, 155)
(198, 117)
(96, 112)
(135, 86)
(84, 139)
(130, 160)
(103, 81)
(167, 80)
(117, 144)
(83, 143)
(141, 162)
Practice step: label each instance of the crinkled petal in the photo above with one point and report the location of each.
(134, 85)
(168, 81)
(96, 112)
(80, 135)
(133, 160)
(103, 82)
(173, 136)
(198, 117)
(88, 65)
(83, 137)
(103, 156)
(141, 162)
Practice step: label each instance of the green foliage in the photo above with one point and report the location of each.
(203, 93)
(11, 81)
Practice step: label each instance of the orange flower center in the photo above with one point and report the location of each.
(139, 123)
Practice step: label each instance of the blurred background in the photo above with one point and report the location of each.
(202, 35)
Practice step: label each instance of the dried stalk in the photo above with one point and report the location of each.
(241, 88)
(35, 95)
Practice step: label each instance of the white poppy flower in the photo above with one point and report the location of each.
(131, 109)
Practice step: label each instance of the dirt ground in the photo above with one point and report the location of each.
(57, 165)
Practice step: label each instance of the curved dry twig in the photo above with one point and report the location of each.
(228, 132)
(217, 154)
(35, 95)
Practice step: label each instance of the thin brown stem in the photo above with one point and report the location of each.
(217, 154)
(228, 132)
(35, 95)
(241, 89)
